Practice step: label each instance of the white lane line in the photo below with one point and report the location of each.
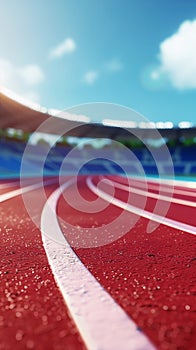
(146, 214)
(171, 182)
(154, 195)
(14, 183)
(9, 184)
(5, 196)
(163, 188)
(102, 323)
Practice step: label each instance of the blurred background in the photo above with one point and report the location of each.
(139, 54)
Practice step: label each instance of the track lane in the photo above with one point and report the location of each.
(175, 186)
(148, 211)
(32, 311)
(180, 209)
(6, 186)
(150, 275)
(136, 270)
(170, 199)
(21, 190)
(100, 321)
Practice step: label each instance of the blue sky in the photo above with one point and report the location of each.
(137, 53)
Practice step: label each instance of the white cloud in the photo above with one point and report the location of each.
(20, 79)
(6, 71)
(114, 65)
(32, 74)
(178, 58)
(66, 47)
(90, 77)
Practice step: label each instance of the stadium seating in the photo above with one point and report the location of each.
(112, 161)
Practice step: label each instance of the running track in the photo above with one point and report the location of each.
(134, 291)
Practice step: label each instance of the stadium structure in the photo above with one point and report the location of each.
(18, 122)
(97, 226)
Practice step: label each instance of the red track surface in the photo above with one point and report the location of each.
(32, 311)
(150, 275)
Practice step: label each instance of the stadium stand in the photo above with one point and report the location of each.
(15, 116)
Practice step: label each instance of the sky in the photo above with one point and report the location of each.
(136, 53)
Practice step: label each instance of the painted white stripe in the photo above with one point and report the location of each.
(144, 213)
(176, 190)
(9, 184)
(164, 188)
(154, 195)
(101, 322)
(172, 182)
(28, 181)
(5, 196)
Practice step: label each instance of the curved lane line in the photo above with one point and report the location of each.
(101, 322)
(154, 195)
(165, 189)
(11, 194)
(14, 183)
(176, 191)
(9, 184)
(144, 213)
(170, 182)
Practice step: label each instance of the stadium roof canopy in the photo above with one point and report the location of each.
(18, 116)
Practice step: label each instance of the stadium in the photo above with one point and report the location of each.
(97, 175)
(148, 277)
